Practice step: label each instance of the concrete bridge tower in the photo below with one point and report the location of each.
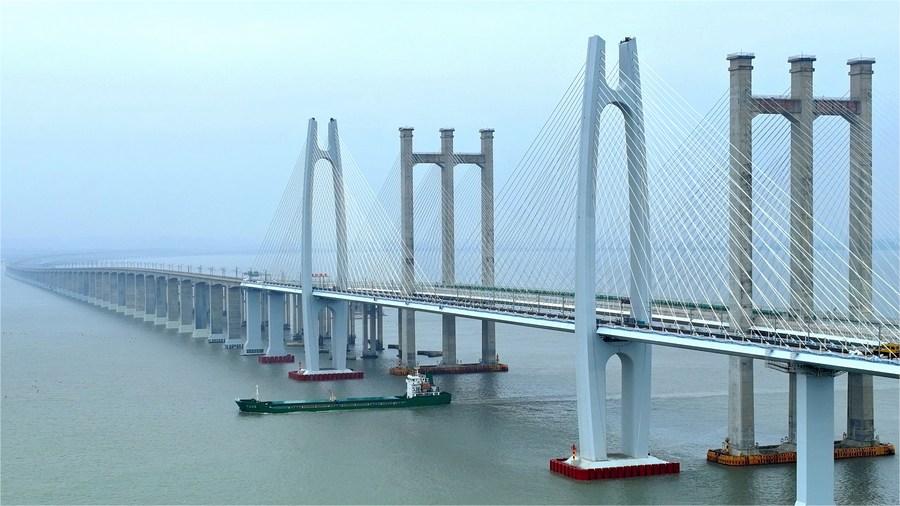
(447, 160)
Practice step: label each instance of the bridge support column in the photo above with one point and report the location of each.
(339, 335)
(264, 307)
(407, 330)
(379, 327)
(253, 345)
(448, 339)
(201, 310)
(173, 305)
(741, 436)
(105, 292)
(120, 292)
(351, 332)
(235, 318)
(129, 294)
(216, 314)
(186, 296)
(162, 302)
(140, 294)
(741, 429)
(815, 437)
(150, 299)
(591, 393)
(276, 325)
(368, 321)
(860, 410)
(488, 343)
(313, 328)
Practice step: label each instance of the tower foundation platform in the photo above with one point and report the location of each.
(784, 454)
(325, 375)
(619, 466)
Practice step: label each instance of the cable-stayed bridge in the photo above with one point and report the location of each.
(752, 231)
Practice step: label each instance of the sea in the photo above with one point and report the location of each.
(100, 408)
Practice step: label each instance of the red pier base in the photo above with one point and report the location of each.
(276, 359)
(560, 466)
(325, 375)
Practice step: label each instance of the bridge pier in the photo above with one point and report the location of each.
(488, 343)
(275, 331)
(339, 335)
(741, 428)
(379, 327)
(253, 345)
(591, 394)
(815, 436)
(150, 299)
(186, 297)
(162, 302)
(105, 292)
(860, 410)
(216, 314)
(448, 339)
(234, 318)
(407, 328)
(140, 292)
(201, 310)
(120, 292)
(129, 294)
(172, 302)
(368, 344)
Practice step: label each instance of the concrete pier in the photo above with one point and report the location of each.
(140, 292)
(201, 310)
(860, 408)
(129, 294)
(339, 336)
(253, 344)
(741, 435)
(276, 325)
(488, 343)
(235, 339)
(162, 302)
(120, 292)
(815, 437)
(174, 306)
(448, 340)
(150, 299)
(186, 297)
(216, 314)
(370, 341)
(407, 330)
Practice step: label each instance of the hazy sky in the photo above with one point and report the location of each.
(134, 125)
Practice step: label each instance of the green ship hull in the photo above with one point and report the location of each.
(397, 401)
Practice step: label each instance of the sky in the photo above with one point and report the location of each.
(175, 126)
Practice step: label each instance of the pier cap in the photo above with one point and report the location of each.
(740, 56)
(861, 65)
(447, 132)
(802, 58)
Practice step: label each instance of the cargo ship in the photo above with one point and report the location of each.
(420, 391)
